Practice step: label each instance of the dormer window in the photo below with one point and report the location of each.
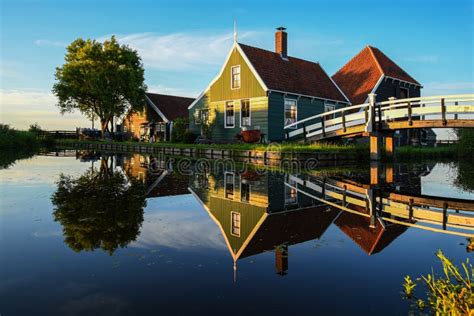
(235, 77)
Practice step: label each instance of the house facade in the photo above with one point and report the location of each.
(371, 71)
(260, 89)
(155, 122)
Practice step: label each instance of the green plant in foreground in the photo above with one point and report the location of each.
(448, 294)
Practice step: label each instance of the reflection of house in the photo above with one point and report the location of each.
(258, 213)
(371, 239)
(156, 120)
(257, 87)
(157, 175)
(371, 71)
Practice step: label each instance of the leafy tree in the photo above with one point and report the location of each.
(99, 210)
(35, 128)
(466, 141)
(181, 133)
(100, 80)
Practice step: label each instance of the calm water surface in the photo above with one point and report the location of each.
(133, 235)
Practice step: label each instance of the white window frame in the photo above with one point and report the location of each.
(291, 190)
(232, 77)
(197, 117)
(250, 191)
(250, 113)
(232, 223)
(330, 107)
(225, 114)
(407, 90)
(206, 120)
(233, 184)
(284, 112)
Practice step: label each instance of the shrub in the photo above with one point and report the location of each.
(12, 138)
(180, 133)
(448, 294)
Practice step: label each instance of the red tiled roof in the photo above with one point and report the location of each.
(293, 75)
(359, 76)
(371, 240)
(171, 106)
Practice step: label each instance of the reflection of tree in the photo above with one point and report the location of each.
(464, 176)
(100, 209)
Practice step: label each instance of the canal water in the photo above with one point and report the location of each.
(89, 233)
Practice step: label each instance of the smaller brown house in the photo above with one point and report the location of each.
(155, 122)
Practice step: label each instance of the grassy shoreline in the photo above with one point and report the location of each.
(359, 150)
(283, 147)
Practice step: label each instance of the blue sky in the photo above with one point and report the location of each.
(184, 43)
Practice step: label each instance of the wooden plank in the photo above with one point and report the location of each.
(455, 204)
(428, 124)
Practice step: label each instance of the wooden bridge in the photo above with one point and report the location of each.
(445, 215)
(379, 120)
(58, 134)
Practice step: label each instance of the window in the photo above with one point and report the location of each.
(205, 116)
(229, 114)
(235, 77)
(290, 112)
(197, 117)
(235, 220)
(403, 93)
(245, 113)
(201, 116)
(329, 107)
(244, 192)
(229, 185)
(291, 194)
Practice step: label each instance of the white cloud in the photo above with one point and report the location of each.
(444, 88)
(45, 42)
(181, 51)
(178, 223)
(20, 108)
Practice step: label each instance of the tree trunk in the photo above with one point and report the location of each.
(112, 128)
(103, 127)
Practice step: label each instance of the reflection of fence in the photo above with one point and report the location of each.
(450, 216)
(58, 134)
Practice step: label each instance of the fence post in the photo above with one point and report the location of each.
(343, 121)
(370, 126)
(392, 101)
(304, 132)
(443, 112)
(456, 115)
(323, 125)
(410, 119)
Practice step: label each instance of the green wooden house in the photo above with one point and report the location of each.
(261, 89)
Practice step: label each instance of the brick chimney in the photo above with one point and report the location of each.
(281, 42)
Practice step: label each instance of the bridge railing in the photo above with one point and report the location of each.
(453, 215)
(411, 109)
(329, 121)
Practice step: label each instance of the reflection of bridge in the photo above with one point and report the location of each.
(380, 119)
(446, 215)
